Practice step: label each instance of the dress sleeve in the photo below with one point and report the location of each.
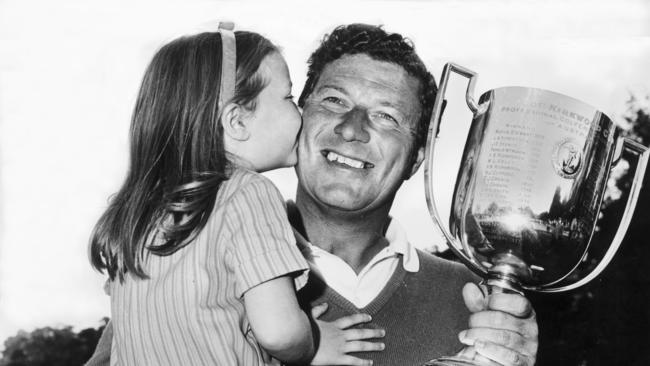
(262, 243)
(102, 354)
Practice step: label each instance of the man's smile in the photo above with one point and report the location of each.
(347, 161)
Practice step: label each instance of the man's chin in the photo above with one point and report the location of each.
(344, 200)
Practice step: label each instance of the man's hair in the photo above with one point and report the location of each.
(379, 45)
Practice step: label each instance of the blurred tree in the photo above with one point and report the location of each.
(621, 306)
(51, 347)
(607, 322)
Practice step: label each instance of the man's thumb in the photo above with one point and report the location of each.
(474, 298)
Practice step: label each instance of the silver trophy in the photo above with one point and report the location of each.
(529, 189)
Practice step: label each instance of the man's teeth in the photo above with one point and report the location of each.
(332, 156)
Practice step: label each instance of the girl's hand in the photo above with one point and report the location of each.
(336, 341)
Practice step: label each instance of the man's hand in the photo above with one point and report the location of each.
(503, 329)
(336, 341)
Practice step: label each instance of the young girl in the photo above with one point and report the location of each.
(201, 258)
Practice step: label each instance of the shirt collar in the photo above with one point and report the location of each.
(398, 244)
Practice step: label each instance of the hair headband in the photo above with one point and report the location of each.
(228, 63)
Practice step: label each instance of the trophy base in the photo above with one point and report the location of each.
(450, 361)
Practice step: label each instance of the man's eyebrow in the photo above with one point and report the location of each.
(385, 103)
(330, 86)
(388, 103)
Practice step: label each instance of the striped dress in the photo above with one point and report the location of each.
(191, 310)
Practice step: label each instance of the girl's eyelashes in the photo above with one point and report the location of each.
(289, 97)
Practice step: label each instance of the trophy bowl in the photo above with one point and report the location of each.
(529, 189)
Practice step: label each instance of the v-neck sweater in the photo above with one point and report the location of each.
(422, 312)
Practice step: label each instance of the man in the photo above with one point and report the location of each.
(366, 107)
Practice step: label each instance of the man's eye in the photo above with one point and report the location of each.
(334, 100)
(386, 117)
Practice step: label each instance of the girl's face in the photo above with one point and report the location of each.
(275, 123)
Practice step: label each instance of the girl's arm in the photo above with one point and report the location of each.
(339, 338)
(279, 324)
(284, 330)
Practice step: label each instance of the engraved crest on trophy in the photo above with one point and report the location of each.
(567, 158)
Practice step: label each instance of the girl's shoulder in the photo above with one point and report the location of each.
(243, 175)
(243, 183)
(242, 178)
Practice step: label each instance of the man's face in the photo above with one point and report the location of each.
(355, 146)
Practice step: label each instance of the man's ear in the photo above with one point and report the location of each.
(234, 120)
(417, 162)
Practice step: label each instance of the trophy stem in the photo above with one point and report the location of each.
(506, 274)
(498, 284)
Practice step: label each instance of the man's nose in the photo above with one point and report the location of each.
(354, 126)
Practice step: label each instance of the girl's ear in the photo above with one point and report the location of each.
(233, 120)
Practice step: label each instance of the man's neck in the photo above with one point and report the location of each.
(356, 239)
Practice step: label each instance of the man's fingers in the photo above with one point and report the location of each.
(350, 320)
(353, 361)
(514, 304)
(481, 360)
(504, 338)
(501, 320)
(502, 355)
(474, 298)
(469, 353)
(356, 334)
(318, 310)
(363, 346)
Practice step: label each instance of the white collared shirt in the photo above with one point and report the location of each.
(360, 289)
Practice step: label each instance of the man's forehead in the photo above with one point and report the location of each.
(387, 83)
(361, 68)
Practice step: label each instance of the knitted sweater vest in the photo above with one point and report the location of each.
(422, 312)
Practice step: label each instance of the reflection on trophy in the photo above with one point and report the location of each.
(529, 189)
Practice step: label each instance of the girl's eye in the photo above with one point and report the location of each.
(289, 97)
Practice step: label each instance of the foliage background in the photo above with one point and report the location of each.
(51, 346)
(607, 322)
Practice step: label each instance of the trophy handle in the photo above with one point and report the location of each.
(436, 116)
(643, 153)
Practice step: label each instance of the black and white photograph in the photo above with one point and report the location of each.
(387, 183)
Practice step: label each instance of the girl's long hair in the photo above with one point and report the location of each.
(177, 157)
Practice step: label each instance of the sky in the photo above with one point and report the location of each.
(70, 71)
